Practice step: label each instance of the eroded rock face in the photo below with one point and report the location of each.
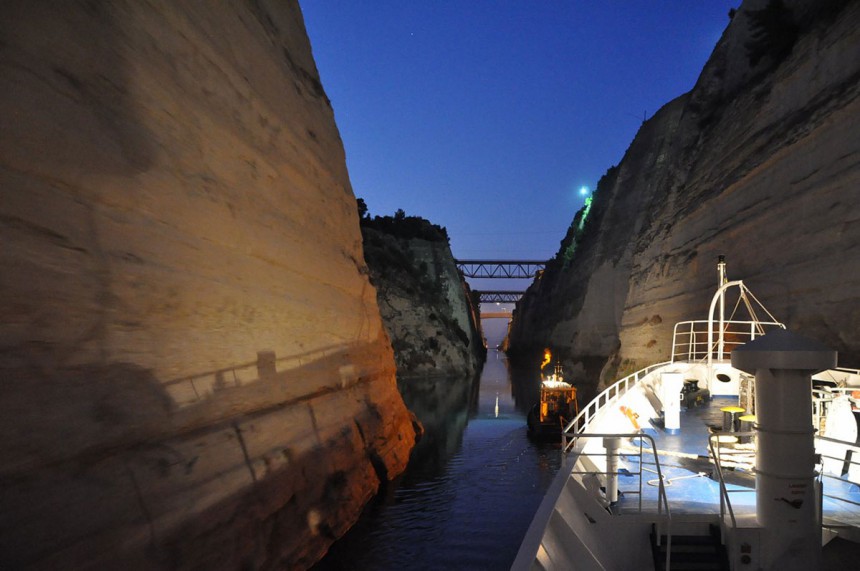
(425, 303)
(759, 163)
(193, 369)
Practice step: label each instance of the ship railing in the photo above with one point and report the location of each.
(834, 391)
(663, 512)
(602, 401)
(725, 500)
(690, 338)
(840, 451)
(843, 453)
(830, 393)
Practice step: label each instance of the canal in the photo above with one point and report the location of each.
(472, 485)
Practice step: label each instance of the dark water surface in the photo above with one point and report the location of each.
(472, 486)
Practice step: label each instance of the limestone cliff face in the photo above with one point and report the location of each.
(193, 369)
(425, 303)
(760, 163)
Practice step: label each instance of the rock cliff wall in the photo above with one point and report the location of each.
(760, 163)
(425, 303)
(193, 369)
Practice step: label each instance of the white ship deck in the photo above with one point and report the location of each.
(639, 471)
(689, 480)
(692, 491)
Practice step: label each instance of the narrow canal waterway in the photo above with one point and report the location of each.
(472, 486)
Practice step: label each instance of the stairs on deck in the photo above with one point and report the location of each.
(691, 552)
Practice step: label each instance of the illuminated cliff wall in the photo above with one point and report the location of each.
(759, 162)
(193, 369)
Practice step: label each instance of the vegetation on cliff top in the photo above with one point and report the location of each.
(402, 226)
(412, 268)
(392, 262)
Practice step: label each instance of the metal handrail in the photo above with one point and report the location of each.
(662, 499)
(701, 349)
(584, 417)
(848, 446)
(822, 475)
(833, 390)
(604, 399)
(725, 502)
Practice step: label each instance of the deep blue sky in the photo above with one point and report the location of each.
(487, 117)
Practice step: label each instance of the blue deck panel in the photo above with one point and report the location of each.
(690, 493)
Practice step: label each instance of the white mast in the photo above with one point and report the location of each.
(721, 269)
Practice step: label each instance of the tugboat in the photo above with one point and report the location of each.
(556, 407)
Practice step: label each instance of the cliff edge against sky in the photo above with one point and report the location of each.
(760, 162)
(426, 304)
(193, 368)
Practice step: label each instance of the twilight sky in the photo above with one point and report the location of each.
(487, 117)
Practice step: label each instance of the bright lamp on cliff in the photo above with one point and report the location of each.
(583, 191)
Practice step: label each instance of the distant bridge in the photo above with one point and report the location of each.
(500, 296)
(500, 268)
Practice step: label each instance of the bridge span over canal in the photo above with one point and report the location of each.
(499, 296)
(500, 268)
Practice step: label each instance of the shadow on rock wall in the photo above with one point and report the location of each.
(102, 455)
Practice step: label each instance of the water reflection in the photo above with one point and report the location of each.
(472, 485)
(443, 405)
(525, 388)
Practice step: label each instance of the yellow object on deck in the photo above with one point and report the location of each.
(730, 417)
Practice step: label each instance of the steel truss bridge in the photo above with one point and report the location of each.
(500, 296)
(500, 268)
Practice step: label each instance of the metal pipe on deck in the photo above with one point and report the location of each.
(612, 444)
(783, 364)
(673, 384)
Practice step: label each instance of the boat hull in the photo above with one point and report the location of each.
(547, 431)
